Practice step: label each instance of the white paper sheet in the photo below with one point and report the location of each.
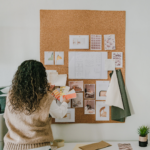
(102, 111)
(57, 79)
(109, 64)
(113, 96)
(60, 80)
(118, 57)
(101, 89)
(78, 41)
(87, 65)
(59, 58)
(49, 58)
(48, 74)
(69, 118)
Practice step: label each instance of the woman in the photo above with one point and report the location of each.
(28, 106)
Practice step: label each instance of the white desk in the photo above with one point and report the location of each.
(70, 146)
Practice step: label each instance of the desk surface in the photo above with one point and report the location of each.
(70, 146)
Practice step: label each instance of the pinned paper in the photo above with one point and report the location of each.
(113, 95)
(57, 79)
(78, 41)
(109, 64)
(49, 58)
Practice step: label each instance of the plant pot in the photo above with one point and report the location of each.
(143, 141)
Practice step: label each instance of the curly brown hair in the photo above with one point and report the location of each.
(28, 87)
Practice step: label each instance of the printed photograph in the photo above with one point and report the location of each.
(49, 58)
(78, 41)
(118, 56)
(78, 101)
(101, 89)
(89, 91)
(96, 42)
(76, 85)
(89, 107)
(109, 42)
(59, 58)
(102, 111)
(125, 146)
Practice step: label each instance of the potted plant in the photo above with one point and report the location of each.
(143, 135)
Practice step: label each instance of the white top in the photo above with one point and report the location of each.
(58, 111)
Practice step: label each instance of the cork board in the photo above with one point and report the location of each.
(57, 25)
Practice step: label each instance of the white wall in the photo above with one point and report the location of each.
(20, 40)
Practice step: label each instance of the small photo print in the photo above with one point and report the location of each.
(96, 42)
(125, 146)
(102, 111)
(76, 85)
(49, 58)
(101, 89)
(78, 101)
(109, 42)
(118, 56)
(59, 58)
(78, 41)
(89, 107)
(69, 117)
(89, 91)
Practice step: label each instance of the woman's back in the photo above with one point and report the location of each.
(28, 131)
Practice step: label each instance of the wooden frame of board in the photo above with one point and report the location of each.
(57, 25)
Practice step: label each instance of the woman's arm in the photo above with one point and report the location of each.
(58, 111)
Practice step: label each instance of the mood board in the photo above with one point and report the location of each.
(56, 26)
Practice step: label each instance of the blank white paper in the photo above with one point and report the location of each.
(109, 64)
(87, 65)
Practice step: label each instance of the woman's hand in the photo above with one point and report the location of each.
(51, 87)
(66, 100)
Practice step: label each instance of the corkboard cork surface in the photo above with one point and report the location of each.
(57, 25)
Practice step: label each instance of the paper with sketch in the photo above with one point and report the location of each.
(118, 57)
(101, 89)
(96, 42)
(78, 41)
(109, 42)
(113, 95)
(59, 58)
(109, 64)
(87, 65)
(102, 111)
(49, 58)
(69, 117)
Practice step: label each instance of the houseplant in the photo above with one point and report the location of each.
(143, 135)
